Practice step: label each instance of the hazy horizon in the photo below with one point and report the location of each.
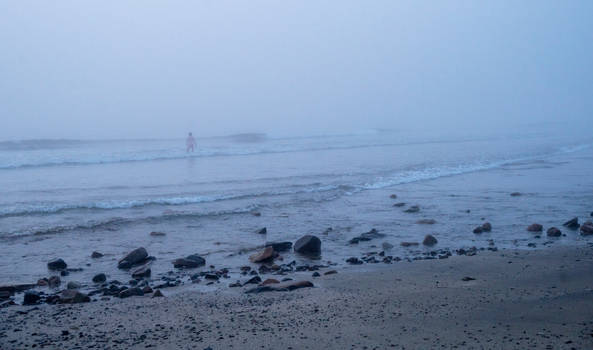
(112, 70)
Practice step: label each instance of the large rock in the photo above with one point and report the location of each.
(587, 228)
(134, 257)
(72, 296)
(266, 255)
(429, 240)
(142, 271)
(554, 232)
(308, 245)
(280, 246)
(535, 228)
(57, 264)
(572, 224)
(191, 261)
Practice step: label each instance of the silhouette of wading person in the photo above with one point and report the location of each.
(190, 142)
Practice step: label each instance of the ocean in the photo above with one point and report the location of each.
(68, 198)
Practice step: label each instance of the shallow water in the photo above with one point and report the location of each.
(68, 198)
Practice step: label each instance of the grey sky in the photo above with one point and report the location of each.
(103, 69)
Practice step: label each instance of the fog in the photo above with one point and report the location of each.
(135, 69)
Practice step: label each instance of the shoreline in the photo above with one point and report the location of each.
(516, 299)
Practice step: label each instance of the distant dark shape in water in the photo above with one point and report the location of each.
(249, 137)
(515, 194)
(393, 196)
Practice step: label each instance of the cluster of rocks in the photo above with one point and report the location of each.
(586, 228)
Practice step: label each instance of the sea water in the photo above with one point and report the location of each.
(68, 198)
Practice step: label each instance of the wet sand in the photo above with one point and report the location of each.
(519, 299)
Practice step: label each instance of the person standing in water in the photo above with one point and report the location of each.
(190, 142)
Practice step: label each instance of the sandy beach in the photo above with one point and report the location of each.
(514, 300)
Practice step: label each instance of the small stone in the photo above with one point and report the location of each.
(487, 227)
(134, 257)
(400, 204)
(265, 255)
(354, 261)
(72, 296)
(426, 222)
(147, 290)
(256, 213)
(393, 196)
(99, 278)
(157, 234)
(157, 294)
(253, 280)
(136, 291)
(387, 246)
(572, 224)
(330, 272)
(96, 255)
(587, 229)
(142, 271)
(412, 209)
(31, 297)
(280, 246)
(467, 278)
(54, 282)
(73, 285)
(316, 274)
(269, 281)
(515, 194)
(57, 264)
(263, 231)
(554, 232)
(42, 282)
(535, 228)
(429, 240)
(190, 261)
(409, 244)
